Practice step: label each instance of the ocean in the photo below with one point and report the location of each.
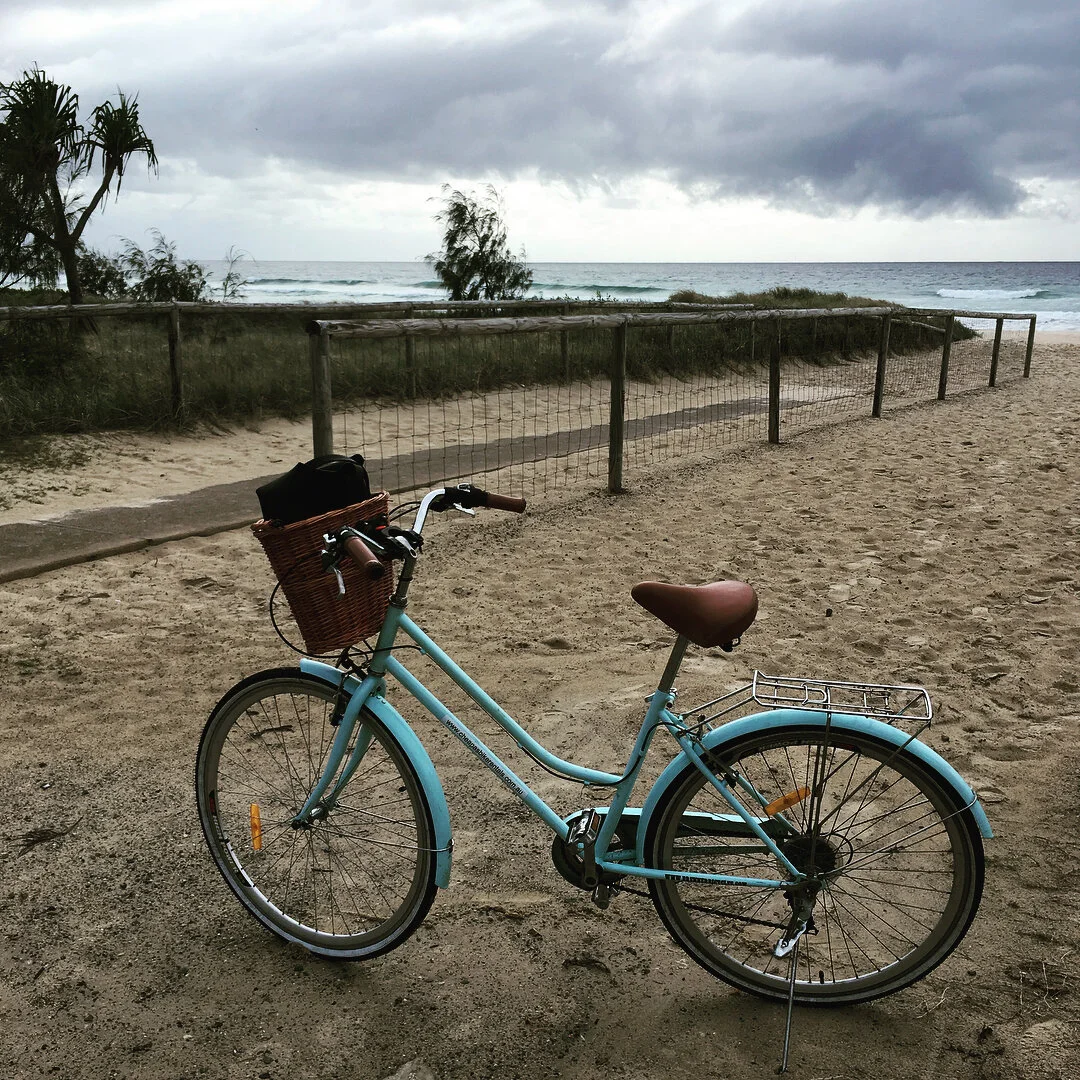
(1049, 290)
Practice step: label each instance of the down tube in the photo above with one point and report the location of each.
(507, 775)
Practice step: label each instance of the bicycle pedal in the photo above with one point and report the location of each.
(584, 828)
(601, 896)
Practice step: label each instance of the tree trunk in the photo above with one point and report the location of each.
(80, 325)
(71, 271)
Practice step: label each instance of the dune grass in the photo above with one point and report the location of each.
(238, 367)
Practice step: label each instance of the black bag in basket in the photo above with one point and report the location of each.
(315, 487)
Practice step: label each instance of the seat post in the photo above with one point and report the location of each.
(678, 651)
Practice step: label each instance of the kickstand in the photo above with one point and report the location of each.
(790, 1005)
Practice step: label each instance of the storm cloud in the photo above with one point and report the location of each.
(913, 106)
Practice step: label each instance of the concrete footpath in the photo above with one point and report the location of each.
(29, 548)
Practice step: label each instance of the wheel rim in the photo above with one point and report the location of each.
(352, 880)
(890, 852)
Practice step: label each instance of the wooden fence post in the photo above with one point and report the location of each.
(848, 349)
(322, 407)
(410, 361)
(671, 342)
(946, 349)
(617, 420)
(1030, 346)
(882, 356)
(564, 345)
(774, 386)
(996, 352)
(176, 368)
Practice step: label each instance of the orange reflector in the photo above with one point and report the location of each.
(785, 801)
(256, 827)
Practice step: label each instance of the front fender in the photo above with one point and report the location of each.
(414, 749)
(779, 718)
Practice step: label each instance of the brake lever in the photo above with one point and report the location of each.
(331, 558)
(464, 509)
(406, 541)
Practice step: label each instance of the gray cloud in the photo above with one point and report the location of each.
(905, 104)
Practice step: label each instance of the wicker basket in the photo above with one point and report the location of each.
(328, 621)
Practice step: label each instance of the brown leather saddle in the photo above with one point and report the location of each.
(708, 615)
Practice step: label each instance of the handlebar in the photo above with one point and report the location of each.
(362, 555)
(396, 542)
(505, 502)
(467, 496)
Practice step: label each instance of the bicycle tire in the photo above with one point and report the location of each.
(351, 886)
(902, 864)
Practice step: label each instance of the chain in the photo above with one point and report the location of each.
(707, 910)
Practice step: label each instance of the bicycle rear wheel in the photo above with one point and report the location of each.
(351, 885)
(899, 859)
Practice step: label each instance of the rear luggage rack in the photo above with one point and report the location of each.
(891, 703)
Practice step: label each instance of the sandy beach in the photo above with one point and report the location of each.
(943, 539)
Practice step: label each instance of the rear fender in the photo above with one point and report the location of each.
(779, 718)
(414, 749)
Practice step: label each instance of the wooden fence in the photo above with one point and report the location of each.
(618, 318)
(322, 332)
(404, 309)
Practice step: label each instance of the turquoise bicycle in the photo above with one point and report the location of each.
(813, 851)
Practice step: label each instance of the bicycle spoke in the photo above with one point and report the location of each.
(359, 875)
(837, 903)
(886, 880)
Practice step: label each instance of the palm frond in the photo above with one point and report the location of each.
(117, 134)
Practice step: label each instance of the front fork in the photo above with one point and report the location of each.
(341, 763)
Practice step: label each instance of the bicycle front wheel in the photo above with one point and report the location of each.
(350, 885)
(898, 858)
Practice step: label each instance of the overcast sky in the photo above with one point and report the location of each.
(662, 131)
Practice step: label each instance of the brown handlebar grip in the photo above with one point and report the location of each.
(506, 502)
(362, 555)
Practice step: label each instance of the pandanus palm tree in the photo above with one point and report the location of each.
(47, 155)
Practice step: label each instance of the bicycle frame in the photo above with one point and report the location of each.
(820, 740)
(658, 715)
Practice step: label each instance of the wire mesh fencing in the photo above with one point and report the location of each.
(692, 388)
(551, 401)
(532, 407)
(817, 389)
(972, 357)
(542, 401)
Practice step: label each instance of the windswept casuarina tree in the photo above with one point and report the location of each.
(475, 262)
(101, 275)
(155, 276)
(50, 164)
